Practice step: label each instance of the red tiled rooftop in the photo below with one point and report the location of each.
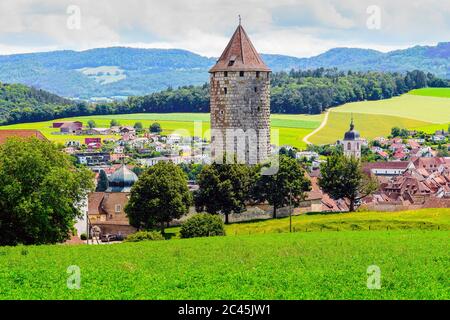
(24, 134)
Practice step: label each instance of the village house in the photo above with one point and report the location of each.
(68, 127)
(424, 184)
(93, 158)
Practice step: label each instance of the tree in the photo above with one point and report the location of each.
(91, 124)
(138, 126)
(41, 192)
(223, 188)
(155, 128)
(114, 123)
(342, 177)
(288, 186)
(160, 195)
(103, 183)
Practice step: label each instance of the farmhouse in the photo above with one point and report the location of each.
(69, 127)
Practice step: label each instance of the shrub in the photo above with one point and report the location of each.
(144, 236)
(202, 225)
(83, 236)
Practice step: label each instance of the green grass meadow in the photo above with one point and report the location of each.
(314, 265)
(256, 260)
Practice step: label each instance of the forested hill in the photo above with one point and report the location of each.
(121, 72)
(19, 103)
(308, 92)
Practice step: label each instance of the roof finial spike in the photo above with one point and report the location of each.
(352, 125)
(239, 19)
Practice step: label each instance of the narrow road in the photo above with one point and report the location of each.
(323, 124)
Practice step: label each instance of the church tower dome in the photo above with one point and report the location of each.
(352, 142)
(240, 102)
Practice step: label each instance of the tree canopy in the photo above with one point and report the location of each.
(159, 196)
(40, 192)
(223, 188)
(342, 178)
(287, 187)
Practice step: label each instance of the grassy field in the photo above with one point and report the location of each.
(426, 219)
(314, 265)
(422, 108)
(432, 92)
(369, 126)
(292, 128)
(257, 260)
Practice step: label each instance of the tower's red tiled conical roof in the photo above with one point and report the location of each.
(240, 55)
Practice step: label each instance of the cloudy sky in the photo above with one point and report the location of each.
(294, 27)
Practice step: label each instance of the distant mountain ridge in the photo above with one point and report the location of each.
(120, 72)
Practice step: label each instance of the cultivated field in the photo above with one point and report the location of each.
(292, 127)
(432, 92)
(369, 126)
(376, 118)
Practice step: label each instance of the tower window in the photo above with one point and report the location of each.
(241, 73)
(257, 74)
(225, 74)
(225, 90)
(256, 89)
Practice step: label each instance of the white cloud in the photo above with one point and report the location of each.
(295, 27)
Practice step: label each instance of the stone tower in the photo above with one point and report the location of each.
(352, 142)
(240, 103)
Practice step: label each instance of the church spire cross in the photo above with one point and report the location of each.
(239, 19)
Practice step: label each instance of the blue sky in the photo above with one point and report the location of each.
(294, 27)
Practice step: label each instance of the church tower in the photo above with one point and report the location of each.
(240, 103)
(352, 142)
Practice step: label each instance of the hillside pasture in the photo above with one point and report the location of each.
(422, 108)
(369, 126)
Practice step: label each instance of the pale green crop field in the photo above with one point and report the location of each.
(369, 125)
(423, 108)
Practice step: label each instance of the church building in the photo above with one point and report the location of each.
(352, 142)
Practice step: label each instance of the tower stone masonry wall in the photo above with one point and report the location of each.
(241, 103)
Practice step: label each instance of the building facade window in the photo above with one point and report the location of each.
(118, 208)
(241, 73)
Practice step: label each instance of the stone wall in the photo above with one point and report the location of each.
(240, 103)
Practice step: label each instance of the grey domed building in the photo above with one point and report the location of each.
(106, 210)
(122, 180)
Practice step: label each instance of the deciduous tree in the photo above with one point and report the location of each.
(342, 177)
(160, 195)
